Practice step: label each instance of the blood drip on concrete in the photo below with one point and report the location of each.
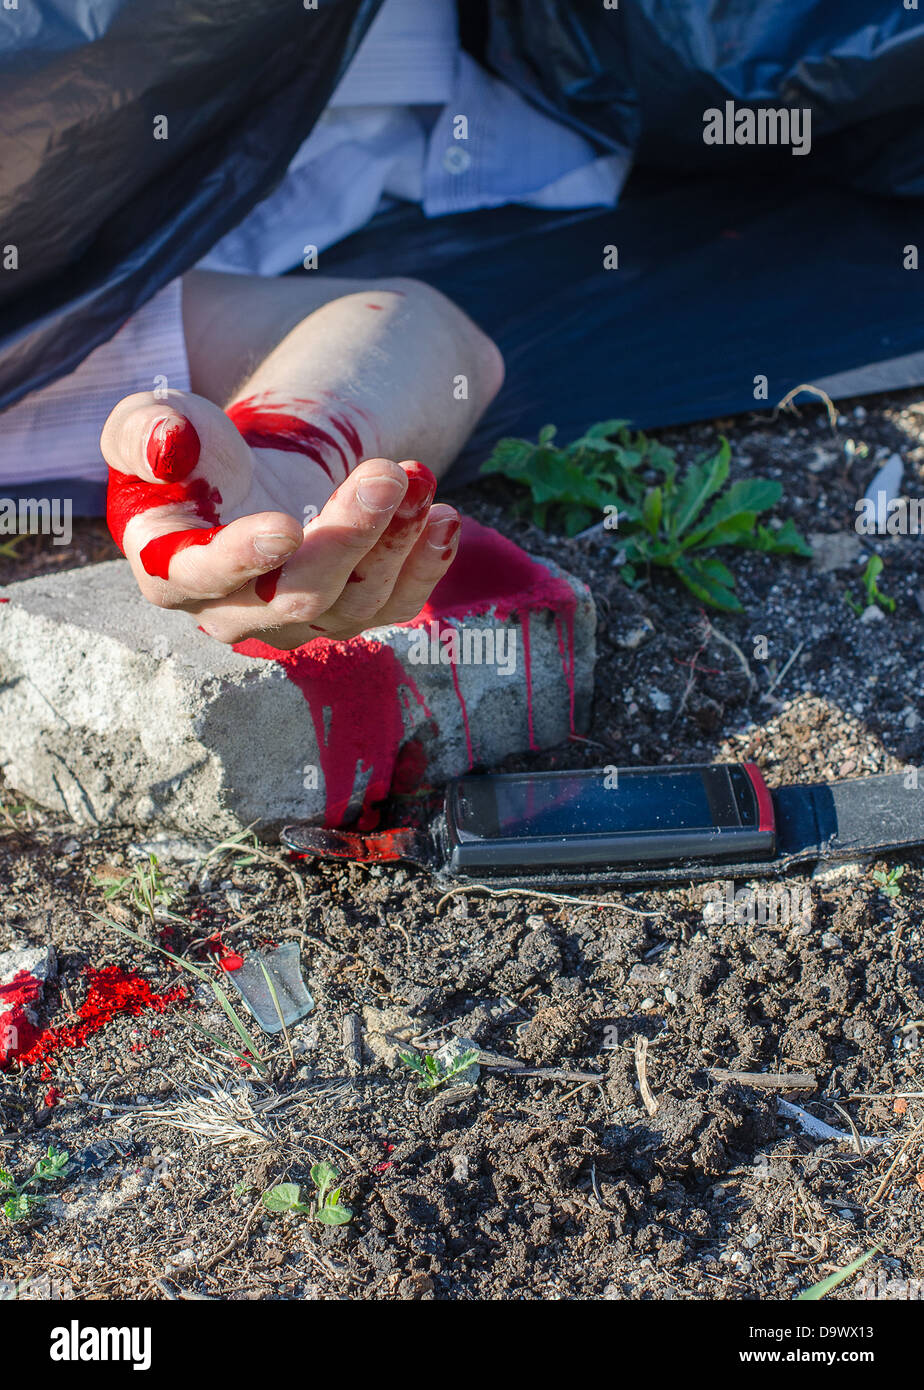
(18, 1030)
(492, 573)
(357, 691)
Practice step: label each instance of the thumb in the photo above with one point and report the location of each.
(175, 450)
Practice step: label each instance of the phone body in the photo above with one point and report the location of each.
(513, 822)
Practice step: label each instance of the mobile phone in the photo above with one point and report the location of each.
(509, 822)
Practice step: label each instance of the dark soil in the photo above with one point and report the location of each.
(540, 1186)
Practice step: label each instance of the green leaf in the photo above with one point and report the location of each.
(334, 1216)
(323, 1175)
(737, 530)
(150, 946)
(651, 511)
(749, 495)
(607, 429)
(578, 519)
(785, 540)
(699, 483)
(54, 1166)
(826, 1285)
(18, 1207)
(511, 457)
(461, 1063)
(710, 582)
(6, 1181)
(546, 435)
(220, 1042)
(410, 1059)
(662, 460)
(873, 570)
(285, 1196)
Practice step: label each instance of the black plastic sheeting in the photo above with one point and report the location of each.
(642, 75)
(103, 214)
(719, 281)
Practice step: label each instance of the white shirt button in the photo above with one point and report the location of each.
(456, 160)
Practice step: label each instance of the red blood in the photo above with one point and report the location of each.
(375, 306)
(448, 545)
(407, 519)
(358, 693)
(265, 586)
(157, 554)
(490, 572)
(421, 486)
(263, 428)
(4, 600)
(18, 1029)
(173, 449)
(129, 497)
(111, 992)
(354, 443)
(410, 768)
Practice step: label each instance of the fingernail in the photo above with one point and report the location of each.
(443, 532)
(379, 494)
(173, 449)
(274, 546)
(421, 485)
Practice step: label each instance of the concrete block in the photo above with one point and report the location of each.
(118, 712)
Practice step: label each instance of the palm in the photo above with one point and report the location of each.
(288, 462)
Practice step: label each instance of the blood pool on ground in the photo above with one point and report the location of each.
(111, 991)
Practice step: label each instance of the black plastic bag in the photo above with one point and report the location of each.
(101, 204)
(97, 214)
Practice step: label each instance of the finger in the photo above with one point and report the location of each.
(173, 463)
(425, 566)
(178, 565)
(167, 438)
(242, 617)
(336, 541)
(371, 582)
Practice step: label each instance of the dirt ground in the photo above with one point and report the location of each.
(556, 1183)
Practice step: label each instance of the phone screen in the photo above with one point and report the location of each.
(599, 803)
